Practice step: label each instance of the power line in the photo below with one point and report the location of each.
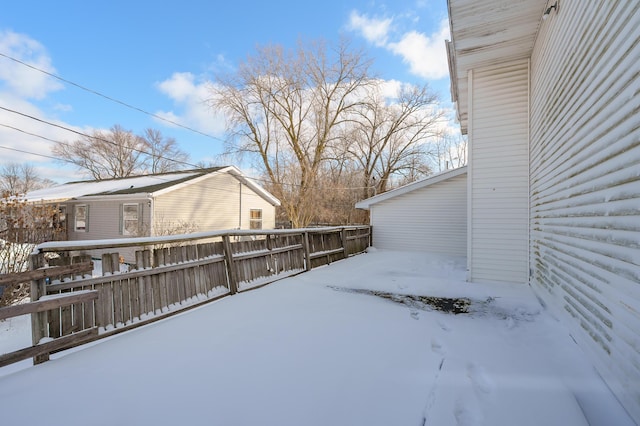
(109, 97)
(156, 177)
(194, 166)
(84, 135)
(29, 152)
(123, 104)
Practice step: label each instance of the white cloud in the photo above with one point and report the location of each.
(18, 79)
(22, 139)
(373, 30)
(190, 98)
(19, 145)
(424, 53)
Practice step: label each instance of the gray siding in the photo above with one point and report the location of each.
(585, 182)
(104, 222)
(431, 219)
(498, 173)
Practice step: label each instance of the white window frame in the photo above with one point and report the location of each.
(123, 226)
(84, 217)
(255, 223)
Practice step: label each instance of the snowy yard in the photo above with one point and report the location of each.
(318, 350)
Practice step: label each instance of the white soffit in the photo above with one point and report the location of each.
(489, 32)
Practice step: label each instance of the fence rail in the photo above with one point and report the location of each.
(170, 274)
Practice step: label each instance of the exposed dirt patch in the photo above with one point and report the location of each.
(443, 304)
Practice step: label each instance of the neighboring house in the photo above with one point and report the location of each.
(428, 215)
(176, 202)
(551, 108)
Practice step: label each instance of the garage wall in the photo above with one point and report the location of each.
(432, 218)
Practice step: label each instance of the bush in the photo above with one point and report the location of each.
(22, 226)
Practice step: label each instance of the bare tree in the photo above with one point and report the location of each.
(451, 151)
(164, 153)
(106, 154)
(393, 134)
(22, 226)
(21, 178)
(286, 108)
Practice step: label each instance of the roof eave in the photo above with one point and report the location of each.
(423, 183)
(485, 33)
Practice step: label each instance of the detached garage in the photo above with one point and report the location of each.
(428, 215)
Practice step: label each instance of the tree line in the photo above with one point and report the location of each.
(319, 127)
(325, 132)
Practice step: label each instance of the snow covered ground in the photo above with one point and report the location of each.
(321, 349)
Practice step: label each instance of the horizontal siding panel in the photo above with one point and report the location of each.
(431, 219)
(585, 183)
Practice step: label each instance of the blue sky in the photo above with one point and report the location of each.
(158, 57)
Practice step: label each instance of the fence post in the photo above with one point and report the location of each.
(345, 242)
(231, 271)
(307, 251)
(38, 320)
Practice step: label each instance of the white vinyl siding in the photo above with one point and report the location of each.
(498, 173)
(216, 203)
(431, 219)
(585, 182)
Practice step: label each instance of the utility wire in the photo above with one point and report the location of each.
(156, 177)
(195, 167)
(109, 97)
(84, 135)
(118, 102)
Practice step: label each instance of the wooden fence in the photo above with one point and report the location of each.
(170, 274)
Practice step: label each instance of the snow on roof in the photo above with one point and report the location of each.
(78, 189)
(433, 179)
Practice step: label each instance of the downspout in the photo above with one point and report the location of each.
(240, 208)
(470, 176)
(151, 221)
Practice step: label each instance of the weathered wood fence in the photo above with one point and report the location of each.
(71, 305)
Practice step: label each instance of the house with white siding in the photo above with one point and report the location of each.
(548, 93)
(175, 202)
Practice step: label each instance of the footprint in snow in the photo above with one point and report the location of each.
(481, 381)
(467, 412)
(437, 346)
(443, 326)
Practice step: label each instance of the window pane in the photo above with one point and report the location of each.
(130, 211)
(130, 219)
(130, 227)
(80, 218)
(255, 219)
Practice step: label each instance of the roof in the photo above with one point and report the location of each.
(485, 33)
(147, 185)
(419, 184)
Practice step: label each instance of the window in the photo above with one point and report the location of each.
(255, 219)
(130, 220)
(81, 216)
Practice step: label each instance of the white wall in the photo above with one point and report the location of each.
(498, 173)
(214, 203)
(585, 182)
(430, 219)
